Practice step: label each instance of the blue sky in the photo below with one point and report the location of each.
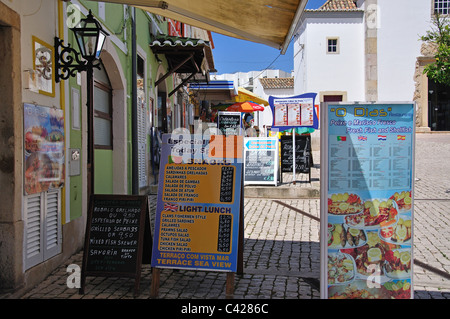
(233, 55)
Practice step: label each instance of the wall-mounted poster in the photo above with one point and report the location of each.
(44, 148)
(294, 111)
(367, 157)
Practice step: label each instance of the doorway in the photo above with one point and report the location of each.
(438, 106)
(162, 112)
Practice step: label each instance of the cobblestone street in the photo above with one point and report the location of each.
(282, 251)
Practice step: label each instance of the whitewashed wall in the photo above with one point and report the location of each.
(401, 23)
(317, 71)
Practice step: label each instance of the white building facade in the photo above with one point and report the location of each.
(329, 71)
(366, 50)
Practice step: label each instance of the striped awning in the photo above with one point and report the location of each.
(214, 90)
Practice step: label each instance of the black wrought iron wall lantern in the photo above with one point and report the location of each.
(90, 37)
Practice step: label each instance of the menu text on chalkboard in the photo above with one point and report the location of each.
(229, 123)
(114, 236)
(303, 157)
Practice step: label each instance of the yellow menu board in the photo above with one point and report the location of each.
(197, 214)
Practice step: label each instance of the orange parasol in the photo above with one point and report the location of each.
(245, 107)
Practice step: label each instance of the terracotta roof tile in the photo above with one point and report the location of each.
(277, 83)
(339, 5)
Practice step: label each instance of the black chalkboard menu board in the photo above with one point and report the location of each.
(116, 229)
(260, 166)
(303, 159)
(260, 160)
(229, 123)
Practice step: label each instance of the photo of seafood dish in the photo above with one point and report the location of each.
(34, 137)
(399, 289)
(342, 236)
(38, 169)
(357, 289)
(344, 204)
(398, 232)
(403, 200)
(368, 257)
(375, 212)
(341, 268)
(398, 263)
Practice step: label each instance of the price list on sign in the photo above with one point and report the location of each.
(224, 238)
(226, 184)
(198, 208)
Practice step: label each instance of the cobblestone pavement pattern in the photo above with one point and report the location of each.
(282, 252)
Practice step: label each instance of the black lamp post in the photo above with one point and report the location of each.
(90, 37)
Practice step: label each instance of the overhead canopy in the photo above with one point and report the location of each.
(214, 90)
(270, 22)
(246, 95)
(184, 55)
(178, 49)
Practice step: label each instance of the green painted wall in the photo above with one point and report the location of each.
(118, 24)
(103, 180)
(75, 182)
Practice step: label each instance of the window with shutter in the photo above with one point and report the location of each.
(34, 253)
(52, 238)
(43, 238)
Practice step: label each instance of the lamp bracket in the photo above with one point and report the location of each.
(68, 61)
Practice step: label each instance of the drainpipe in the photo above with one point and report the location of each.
(134, 124)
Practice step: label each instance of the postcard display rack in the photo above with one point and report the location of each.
(367, 200)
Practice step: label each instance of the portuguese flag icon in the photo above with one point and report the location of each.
(342, 138)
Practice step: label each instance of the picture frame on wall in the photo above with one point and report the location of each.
(43, 70)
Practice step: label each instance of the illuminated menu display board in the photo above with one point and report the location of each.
(367, 200)
(198, 207)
